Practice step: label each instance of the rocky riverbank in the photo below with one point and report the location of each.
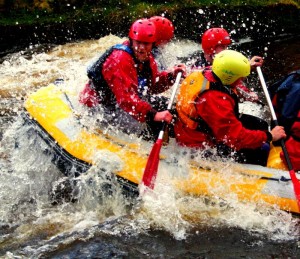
(263, 23)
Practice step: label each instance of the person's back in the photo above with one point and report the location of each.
(285, 95)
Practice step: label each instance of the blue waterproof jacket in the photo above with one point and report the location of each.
(286, 98)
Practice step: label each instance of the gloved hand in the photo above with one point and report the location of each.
(179, 68)
(163, 116)
(256, 61)
(278, 133)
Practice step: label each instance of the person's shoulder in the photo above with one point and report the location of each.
(216, 100)
(120, 56)
(289, 83)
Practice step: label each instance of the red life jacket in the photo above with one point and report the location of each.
(293, 145)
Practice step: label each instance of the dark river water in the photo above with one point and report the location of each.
(111, 227)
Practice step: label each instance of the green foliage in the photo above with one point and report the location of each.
(27, 11)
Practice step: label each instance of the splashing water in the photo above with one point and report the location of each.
(28, 175)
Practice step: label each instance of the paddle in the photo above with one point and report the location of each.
(151, 168)
(294, 179)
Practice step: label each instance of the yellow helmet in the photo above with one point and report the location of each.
(230, 65)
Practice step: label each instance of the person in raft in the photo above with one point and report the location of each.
(125, 82)
(285, 95)
(213, 41)
(210, 118)
(165, 33)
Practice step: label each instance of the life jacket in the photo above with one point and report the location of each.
(293, 145)
(94, 72)
(191, 89)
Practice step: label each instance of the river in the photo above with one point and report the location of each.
(167, 227)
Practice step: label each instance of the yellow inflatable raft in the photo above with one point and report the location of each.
(75, 147)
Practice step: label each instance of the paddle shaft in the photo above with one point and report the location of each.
(151, 168)
(294, 179)
(171, 101)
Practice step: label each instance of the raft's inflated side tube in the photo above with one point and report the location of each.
(69, 165)
(75, 146)
(274, 160)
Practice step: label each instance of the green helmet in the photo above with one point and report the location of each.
(230, 65)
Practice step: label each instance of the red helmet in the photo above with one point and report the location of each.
(143, 30)
(164, 29)
(213, 37)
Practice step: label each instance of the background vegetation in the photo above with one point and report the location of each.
(29, 23)
(47, 11)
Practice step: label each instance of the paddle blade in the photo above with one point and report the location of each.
(151, 168)
(296, 184)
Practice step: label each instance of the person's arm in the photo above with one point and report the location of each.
(217, 109)
(163, 80)
(245, 93)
